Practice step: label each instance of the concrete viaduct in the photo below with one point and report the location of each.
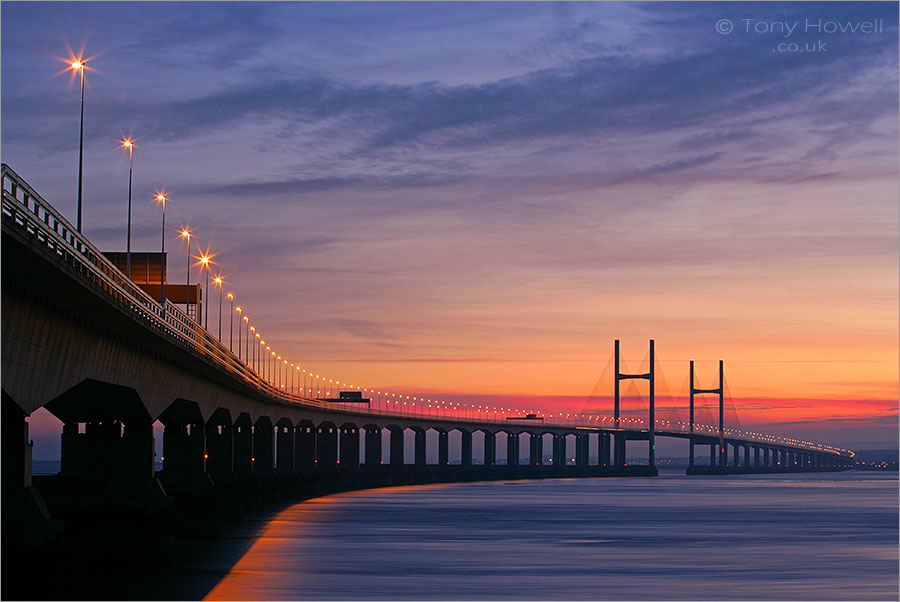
(81, 340)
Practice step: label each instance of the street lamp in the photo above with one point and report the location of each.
(78, 66)
(204, 265)
(129, 144)
(254, 349)
(161, 198)
(260, 358)
(186, 234)
(240, 315)
(219, 281)
(247, 352)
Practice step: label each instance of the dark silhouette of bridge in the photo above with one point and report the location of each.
(108, 359)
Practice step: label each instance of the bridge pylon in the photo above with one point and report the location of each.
(619, 437)
(723, 457)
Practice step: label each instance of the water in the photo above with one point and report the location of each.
(796, 537)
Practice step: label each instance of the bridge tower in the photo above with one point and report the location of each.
(619, 437)
(721, 392)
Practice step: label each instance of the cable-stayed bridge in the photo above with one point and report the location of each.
(108, 359)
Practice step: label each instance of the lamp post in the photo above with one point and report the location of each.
(251, 353)
(259, 357)
(204, 265)
(186, 234)
(129, 144)
(79, 66)
(240, 317)
(161, 198)
(219, 281)
(247, 330)
(231, 322)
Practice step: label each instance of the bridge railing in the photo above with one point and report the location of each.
(23, 209)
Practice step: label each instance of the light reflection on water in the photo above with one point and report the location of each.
(810, 537)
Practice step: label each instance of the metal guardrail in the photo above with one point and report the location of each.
(25, 210)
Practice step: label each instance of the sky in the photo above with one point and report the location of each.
(473, 200)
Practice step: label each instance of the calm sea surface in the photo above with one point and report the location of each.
(789, 537)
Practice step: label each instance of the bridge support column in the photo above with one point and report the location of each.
(263, 458)
(183, 442)
(420, 446)
(756, 456)
(443, 447)
(305, 446)
(219, 444)
(512, 449)
(490, 449)
(106, 491)
(349, 446)
(284, 447)
(373, 445)
(396, 445)
(107, 449)
(690, 451)
(582, 450)
(466, 443)
(536, 449)
(619, 444)
(713, 450)
(326, 447)
(242, 436)
(29, 531)
(559, 450)
(603, 452)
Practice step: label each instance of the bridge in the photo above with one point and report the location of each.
(108, 359)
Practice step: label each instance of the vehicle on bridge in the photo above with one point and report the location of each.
(526, 417)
